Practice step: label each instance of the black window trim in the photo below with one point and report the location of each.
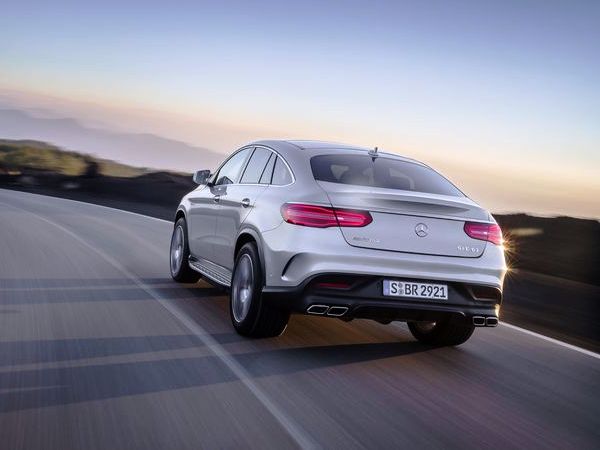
(253, 148)
(274, 156)
(256, 147)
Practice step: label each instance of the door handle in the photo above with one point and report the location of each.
(216, 198)
(245, 202)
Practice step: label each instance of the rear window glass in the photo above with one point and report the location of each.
(381, 172)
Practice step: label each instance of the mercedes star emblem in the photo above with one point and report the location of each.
(421, 229)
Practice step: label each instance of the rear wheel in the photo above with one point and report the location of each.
(249, 314)
(449, 331)
(180, 253)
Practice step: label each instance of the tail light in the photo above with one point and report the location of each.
(323, 217)
(484, 232)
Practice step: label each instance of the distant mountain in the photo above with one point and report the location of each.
(141, 150)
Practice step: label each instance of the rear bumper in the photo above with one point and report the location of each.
(364, 299)
(293, 255)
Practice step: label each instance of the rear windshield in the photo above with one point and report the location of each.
(381, 172)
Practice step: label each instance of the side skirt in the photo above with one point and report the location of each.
(215, 272)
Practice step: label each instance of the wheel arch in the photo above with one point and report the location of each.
(179, 214)
(250, 235)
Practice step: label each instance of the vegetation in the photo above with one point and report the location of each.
(25, 155)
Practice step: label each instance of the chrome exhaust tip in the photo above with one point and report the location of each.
(317, 309)
(491, 321)
(479, 321)
(337, 311)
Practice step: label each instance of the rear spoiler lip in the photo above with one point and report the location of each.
(464, 218)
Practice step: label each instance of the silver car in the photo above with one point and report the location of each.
(340, 231)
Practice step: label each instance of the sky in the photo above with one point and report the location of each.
(502, 97)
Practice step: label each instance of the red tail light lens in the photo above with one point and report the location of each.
(309, 215)
(352, 218)
(323, 217)
(484, 231)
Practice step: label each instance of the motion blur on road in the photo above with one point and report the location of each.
(107, 108)
(100, 349)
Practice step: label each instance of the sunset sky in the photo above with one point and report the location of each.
(503, 97)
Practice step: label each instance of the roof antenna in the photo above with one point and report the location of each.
(374, 153)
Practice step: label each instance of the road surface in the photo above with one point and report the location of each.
(99, 349)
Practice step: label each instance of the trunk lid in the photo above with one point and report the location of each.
(410, 222)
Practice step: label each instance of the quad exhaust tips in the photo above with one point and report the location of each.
(322, 310)
(317, 309)
(480, 321)
(337, 311)
(491, 321)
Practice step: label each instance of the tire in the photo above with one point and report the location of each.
(179, 253)
(250, 316)
(450, 331)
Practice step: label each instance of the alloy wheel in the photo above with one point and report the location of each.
(242, 288)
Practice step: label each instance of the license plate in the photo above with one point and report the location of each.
(394, 288)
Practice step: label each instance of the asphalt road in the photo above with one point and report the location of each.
(99, 349)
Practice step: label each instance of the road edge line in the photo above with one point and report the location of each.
(552, 340)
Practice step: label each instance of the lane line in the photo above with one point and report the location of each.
(552, 340)
(508, 325)
(294, 430)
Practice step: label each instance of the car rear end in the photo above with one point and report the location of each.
(390, 239)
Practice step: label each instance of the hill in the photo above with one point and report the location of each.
(140, 150)
(24, 155)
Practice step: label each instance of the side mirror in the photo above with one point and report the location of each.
(201, 176)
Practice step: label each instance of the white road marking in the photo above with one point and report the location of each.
(552, 340)
(295, 431)
(513, 327)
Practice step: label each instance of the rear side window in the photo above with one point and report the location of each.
(256, 165)
(265, 178)
(381, 172)
(281, 174)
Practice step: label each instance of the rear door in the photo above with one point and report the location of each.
(414, 209)
(236, 202)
